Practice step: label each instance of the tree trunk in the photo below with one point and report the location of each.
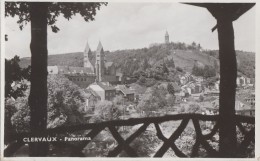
(38, 92)
(228, 75)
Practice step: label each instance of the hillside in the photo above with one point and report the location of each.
(130, 61)
(69, 59)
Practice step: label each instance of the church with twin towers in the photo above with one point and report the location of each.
(95, 69)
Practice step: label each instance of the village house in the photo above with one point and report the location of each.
(192, 88)
(185, 78)
(103, 90)
(244, 108)
(91, 100)
(244, 81)
(127, 93)
(251, 99)
(241, 107)
(139, 91)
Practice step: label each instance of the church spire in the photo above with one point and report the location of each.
(100, 47)
(100, 62)
(87, 48)
(86, 59)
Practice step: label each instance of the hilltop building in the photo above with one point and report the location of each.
(95, 68)
(167, 39)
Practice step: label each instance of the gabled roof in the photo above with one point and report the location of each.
(125, 90)
(137, 88)
(247, 105)
(108, 64)
(105, 87)
(89, 92)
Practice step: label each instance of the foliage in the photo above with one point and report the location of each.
(109, 110)
(193, 108)
(40, 15)
(65, 104)
(55, 9)
(145, 144)
(201, 98)
(186, 140)
(170, 89)
(209, 71)
(170, 63)
(15, 90)
(206, 71)
(14, 75)
(179, 69)
(170, 100)
(246, 63)
(155, 99)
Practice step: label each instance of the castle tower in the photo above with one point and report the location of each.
(86, 59)
(100, 62)
(167, 41)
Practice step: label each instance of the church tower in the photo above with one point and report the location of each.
(100, 62)
(87, 53)
(167, 41)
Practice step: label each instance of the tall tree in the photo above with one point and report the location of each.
(42, 14)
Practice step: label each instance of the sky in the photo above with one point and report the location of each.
(130, 26)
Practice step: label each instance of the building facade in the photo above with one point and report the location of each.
(95, 68)
(103, 90)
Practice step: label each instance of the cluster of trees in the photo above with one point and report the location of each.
(164, 71)
(207, 71)
(14, 74)
(246, 63)
(65, 105)
(16, 91)
(109, 110)
(157, 98)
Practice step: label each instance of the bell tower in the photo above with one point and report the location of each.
(87, 53)
(100, 62)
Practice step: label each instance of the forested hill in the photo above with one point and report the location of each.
(130, 61)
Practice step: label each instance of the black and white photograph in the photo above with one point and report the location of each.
(128, 79)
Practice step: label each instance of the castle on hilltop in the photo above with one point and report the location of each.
(95, 69)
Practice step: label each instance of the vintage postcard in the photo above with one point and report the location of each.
(103, 80)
